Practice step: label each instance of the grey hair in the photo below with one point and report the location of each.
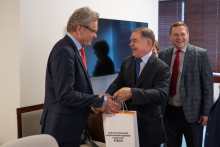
(82, 16)
(146, 33)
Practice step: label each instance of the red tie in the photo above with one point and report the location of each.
(83, 57)
(174, 75)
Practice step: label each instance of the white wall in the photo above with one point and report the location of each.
(9, 69)
(29, 29)
(42, 24)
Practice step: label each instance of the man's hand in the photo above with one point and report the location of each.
(112, 106)
(203, 120)
(102, 94)
(93, 112)
(102, 109)
(123, 94)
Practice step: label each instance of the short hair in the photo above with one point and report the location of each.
(81, 16)
(179, 23)
(156, 44)
(102, 47)
(146, 33)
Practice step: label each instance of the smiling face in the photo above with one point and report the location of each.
(86, 35)
(139, 46)
(179, 37)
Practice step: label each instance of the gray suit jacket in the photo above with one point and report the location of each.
(196, 85)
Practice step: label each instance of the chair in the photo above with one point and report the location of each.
(42, 140)
(28, 120)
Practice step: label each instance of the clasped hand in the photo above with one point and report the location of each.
(111, 106)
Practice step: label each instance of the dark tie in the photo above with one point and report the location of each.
(138, 61)
(83, 57)
(174, 76)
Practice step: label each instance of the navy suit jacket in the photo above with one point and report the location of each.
(148, 94)
(212, 138)
(196, 81)
(68, 94)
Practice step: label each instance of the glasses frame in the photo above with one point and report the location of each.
(95, 32)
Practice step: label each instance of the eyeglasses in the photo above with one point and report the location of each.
(90, 29)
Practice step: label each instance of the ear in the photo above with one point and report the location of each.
(78, 28)
(149, 42)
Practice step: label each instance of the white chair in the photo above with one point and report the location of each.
(42, 140)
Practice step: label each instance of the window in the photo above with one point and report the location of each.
(202, 19)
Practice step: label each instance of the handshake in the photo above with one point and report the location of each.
(111, 106)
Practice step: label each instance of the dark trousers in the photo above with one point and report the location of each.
(69, 144)
(176, 126)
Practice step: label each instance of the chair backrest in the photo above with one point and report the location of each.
(28, 120)
(42, 140)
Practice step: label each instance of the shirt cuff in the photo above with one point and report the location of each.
(105, 100)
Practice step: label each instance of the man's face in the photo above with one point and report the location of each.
(179, 37)
(87, 35)
(139, 47)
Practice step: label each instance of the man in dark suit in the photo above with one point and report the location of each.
(213, 128)
(142, 84)
(69, 95)
(191, 89)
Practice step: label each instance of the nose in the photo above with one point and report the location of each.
(95, 35)
(130, 44)
(179, 37)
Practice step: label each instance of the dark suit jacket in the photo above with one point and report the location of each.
(212, 137)
(69, 94)
(196, 81)
(148, 94)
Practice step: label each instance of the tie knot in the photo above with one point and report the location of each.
(81, 50)
(139, 60)
(178, 51)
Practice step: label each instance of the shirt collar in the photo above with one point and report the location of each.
(146, 57)
(183, 49)
(78, 45)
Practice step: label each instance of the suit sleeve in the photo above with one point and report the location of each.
(157, 95)
(63, 72)
(207, 84)
(117, 84)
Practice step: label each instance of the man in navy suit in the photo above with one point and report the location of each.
(142, 84)
(69, 95)
(191, 88)
(213, 128)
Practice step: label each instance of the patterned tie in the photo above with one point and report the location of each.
(138, 61)
(174, 74)
(83, 57)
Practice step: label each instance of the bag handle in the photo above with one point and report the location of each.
(123, 104)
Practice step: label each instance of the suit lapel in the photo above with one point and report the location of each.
(146, 70)
(79, 58)
(132, 67)
(188, 57)
(168, 56)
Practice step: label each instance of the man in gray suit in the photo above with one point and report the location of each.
(191, 89)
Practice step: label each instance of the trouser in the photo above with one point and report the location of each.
(176, 126)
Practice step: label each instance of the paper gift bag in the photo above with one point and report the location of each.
(121, 129)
